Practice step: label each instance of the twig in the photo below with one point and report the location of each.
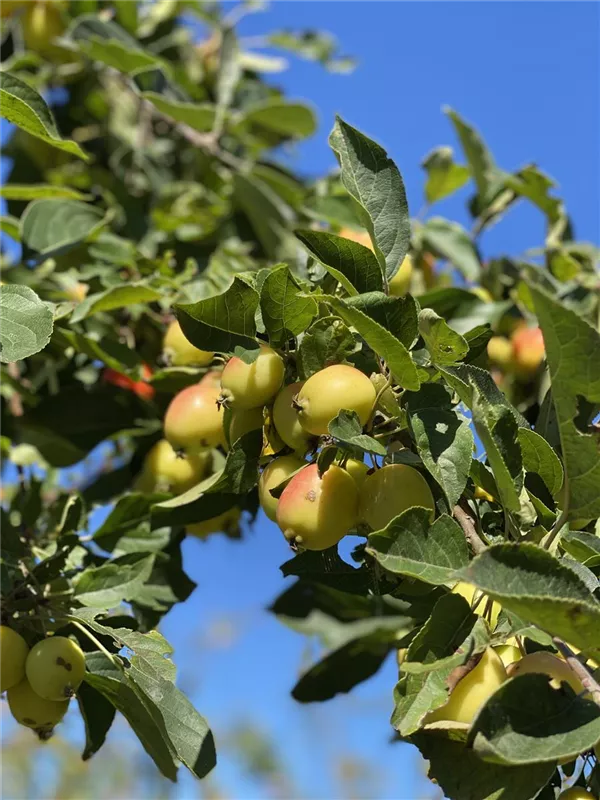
(588, 682)
(466, 523)
(15, 403)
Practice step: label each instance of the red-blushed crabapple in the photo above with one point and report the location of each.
(286, 420)
(194, 418)
(277, 471)
(528, 351)
(389, 491)
(166, 471)
(252, 385)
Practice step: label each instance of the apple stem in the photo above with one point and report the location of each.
(466, 523)
(587, 680)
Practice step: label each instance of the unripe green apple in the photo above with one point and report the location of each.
(42, 23)
(55, 668)
(273, 474)
(179, 351)
(33, 711)
(225, 522)
(13, 654)
(500, 352)
(528, 351)
(479, 602)
(315, 512)
(576, 793)
(194, 419)
(389, 491)
(286, 420)
(329, 391)
(251, 385)
(400, 283)
(166, 471)
(243, 421)
(545, 663)
(472, 691)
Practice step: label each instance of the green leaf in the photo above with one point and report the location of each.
(444, 176)
(533, 584)
(25, 323)
(526, 721)
(223, 322)
(118, 296)
(109, 351)
(445, 443)
(540, 458)
(498, 430)
(327, 341)
(98, 715)
(51, 225)
(23, 106)
(282, 117)
(481, 162)
(115, 686)
(10, 226)
(572, 348)
(350, 263)
(286, 312)
(128, 512)
(107, 586)
(105, 41)
(346, 428)
(462, 775)
(199, 116)
(445, 345)
(585, 547)
(13, 191)
(410, 545)
(398, 315)
(387, 346)
(269, 216)
(374, 181)
(450, 240)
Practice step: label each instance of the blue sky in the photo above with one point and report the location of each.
(526, 74)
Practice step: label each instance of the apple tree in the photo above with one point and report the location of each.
(191, 331)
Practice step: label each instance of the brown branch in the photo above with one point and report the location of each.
(15, 403)
(466, 523)
(587, 680)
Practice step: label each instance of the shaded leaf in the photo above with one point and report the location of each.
(445, 345)
(351, 263)
(285, 312)
(52, 225)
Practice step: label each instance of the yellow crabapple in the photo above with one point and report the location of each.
(481, 494)
(389, 491)
(194, 419)
(500, 352)
(251, 385)
(545, 663)
(180, 352)
(315, 512)
(42, 23)
(273, 474)
(479, 602)
(400, 283)
(286, 420)
(576, 793)
(33, 711)
(55, 667)
(167, 471)
(472, 691)
(330, 390)
(13, 653)
(358, 470)
(244, 420)
(222, 523)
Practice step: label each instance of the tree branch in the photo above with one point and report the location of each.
(588, 682)
(466, 523)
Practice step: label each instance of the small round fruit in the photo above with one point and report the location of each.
(194, 418)
(33, 711)
(509, 653)
(576, 793)
(500, 352)
(273, 474)
(481, 494)
(286, 421)
(479, 602)
(361, 237)
(42, 23)
(329, 391)
(243, 421)
(400, 283)
(251, 385)
(389, 491)
(212, 379)
(222, 523)
(13, 653)
(472, 691)
(55, 668)
(316, 512)
(180, 352)
(528, 351)
(164, 470)
(545, 663)
(358, 470)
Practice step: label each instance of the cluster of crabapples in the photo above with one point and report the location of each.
(39, 681)
(521, 355)
(313, 508)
